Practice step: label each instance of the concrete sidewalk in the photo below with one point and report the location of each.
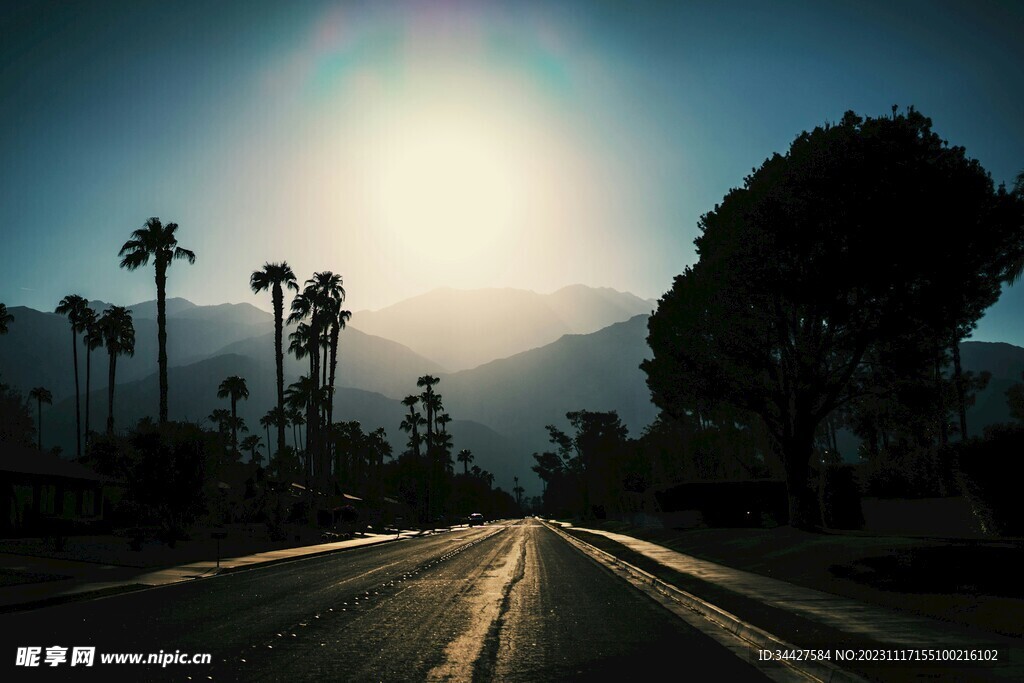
(61, 580)
(811, 619)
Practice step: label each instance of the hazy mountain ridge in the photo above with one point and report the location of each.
(462, 329)
(519, 395)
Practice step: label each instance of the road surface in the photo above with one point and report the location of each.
(504, 602)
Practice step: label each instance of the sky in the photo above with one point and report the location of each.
(414, 145)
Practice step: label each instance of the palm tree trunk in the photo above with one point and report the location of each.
(78, 396)
(88, 373)
(279, 352)
(161, 334)
(335, 331)
(112, 369)
(234, 426)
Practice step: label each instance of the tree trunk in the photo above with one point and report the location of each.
(335, 331)
(958, 379)
(234, 426)
(88, 379)
(161, 334)
(278, 295)
(39, 412)
(112, 368)
(941, 403)
(797, 450)
(78, 396)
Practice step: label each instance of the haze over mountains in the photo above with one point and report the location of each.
(462, 329)
(209, 343)
(500, 407)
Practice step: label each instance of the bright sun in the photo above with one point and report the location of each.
(447, 184)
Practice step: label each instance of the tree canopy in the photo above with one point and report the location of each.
(864, 237)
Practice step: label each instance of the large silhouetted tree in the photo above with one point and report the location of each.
(157, 241)
(864, 232)
(276, 277)
(74, 307)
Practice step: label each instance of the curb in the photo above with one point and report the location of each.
(820, 670)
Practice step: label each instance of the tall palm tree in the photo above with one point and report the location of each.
(430, 402)
(118, 334)
(321, 294)
(41, 395)
(267, 421)
(338, 320)
(233, 387)
(251, 443)
(5, 318)
(296, 420)
(157, 240)
(299, 396)
(74, 306)
(465, 456)
(93, 339)
(276, 277)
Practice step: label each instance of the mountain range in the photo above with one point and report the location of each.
(499, 407)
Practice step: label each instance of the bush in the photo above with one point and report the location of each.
(988, 464)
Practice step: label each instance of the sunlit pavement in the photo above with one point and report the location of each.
(847, 623)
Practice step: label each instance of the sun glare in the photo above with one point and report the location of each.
(447, 184)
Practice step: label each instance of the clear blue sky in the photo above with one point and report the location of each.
(470, 144)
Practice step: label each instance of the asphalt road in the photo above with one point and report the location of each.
(502, 602)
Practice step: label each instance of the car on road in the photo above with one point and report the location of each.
(475, 519)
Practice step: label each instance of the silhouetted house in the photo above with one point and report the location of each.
(40, 490)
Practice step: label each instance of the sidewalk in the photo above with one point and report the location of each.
(811, 619)
(57, 580)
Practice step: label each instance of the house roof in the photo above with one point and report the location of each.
(26, 460)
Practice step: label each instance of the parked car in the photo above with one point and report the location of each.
(475, 519)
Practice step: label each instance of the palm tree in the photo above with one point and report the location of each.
(465, 456)
(157, 241)
(296, 420)
(519, 491)
(5, 318)
(220, 417)
(118, 334)
(276, 277)
(431, 404)
(301, 396)
(321, 294)
(412, 422)
(233, 387)
(251, 443)
(338, 320)
(41, 395)
(266, 422)
(93, 339)
(74, 307)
